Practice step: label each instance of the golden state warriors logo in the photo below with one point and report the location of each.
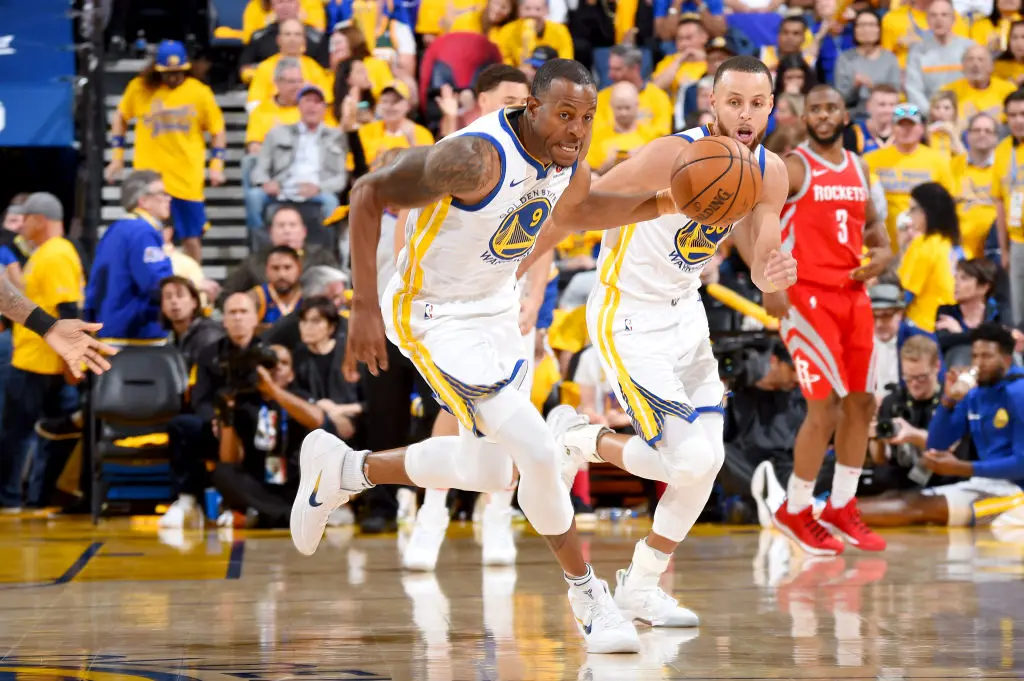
(1001, 419)
(518, 231)
(695, 244)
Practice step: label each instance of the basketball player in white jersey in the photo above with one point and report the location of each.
(646, 318)
(497, 86)
(481, 196)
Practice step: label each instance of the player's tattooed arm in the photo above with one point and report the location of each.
(466, 167)
(13, 304)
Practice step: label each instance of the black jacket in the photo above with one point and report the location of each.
(203, 332)
(211, 377)
(264, 46)
(309, 380)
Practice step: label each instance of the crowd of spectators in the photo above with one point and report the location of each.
(931, 87)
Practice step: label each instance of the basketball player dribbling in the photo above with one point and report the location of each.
(828, 326)
(646, 318)
(481, 196)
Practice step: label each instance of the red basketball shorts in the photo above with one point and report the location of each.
(830, 334)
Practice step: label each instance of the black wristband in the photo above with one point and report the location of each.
(40, 321)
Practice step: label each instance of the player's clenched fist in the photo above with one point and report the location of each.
(780, 270)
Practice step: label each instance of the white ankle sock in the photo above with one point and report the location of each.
(648, 560)
(353, 478)
(580, 582)
(799, 493)
(844, 485)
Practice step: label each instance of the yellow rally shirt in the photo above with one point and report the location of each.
(975, 206)
(898, 173)
(376, 139)
(53, 275)
(1009, 187)
(927, 271)
(518, 39)
(654, 115)
(972, 100)
(269, 114)
(262, 86)
(169, 132)
(606, 144)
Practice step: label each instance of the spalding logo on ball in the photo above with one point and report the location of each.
(716, 181)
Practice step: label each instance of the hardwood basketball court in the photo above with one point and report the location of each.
(124, 602)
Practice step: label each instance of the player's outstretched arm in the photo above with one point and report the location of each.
(466, 167)
(759, 235)
(582, 207)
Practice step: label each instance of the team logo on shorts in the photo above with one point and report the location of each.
(803, 373)
(696, 244)
(518, 230)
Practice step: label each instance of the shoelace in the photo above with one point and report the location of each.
(816, 528)
(855, 518)
(602, 609)
(656, 599)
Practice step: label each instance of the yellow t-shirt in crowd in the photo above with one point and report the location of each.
(568, 332)
(905, 26)
(898, 173)
(940, 141)
(1009, 186)
(262, 86)
(1009, 70)
(577, 244)
(376, 139)
(606, 144)
(518, 39)
(433, 12)
(975, 206)
(269, 114)
(927, 272)
(654, 115)
(770, 54)
(255, 17)
(687, 73)
(53, 276)
(972, 100)
(170, 125)
(472, 22)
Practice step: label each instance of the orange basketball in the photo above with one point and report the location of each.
(716, 181)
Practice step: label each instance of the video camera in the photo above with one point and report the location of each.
(239, 367)
(742, 358)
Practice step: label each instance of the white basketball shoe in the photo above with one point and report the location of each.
(427, 536)
(603, 627)
(331, 473)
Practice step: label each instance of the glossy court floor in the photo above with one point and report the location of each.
(123, 602)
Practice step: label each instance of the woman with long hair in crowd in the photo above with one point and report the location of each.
(926, 270)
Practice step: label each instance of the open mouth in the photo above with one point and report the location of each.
(745, 135)
(569, 148)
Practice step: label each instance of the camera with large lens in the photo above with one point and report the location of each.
(885, 427)
(240, 364)
(742, 359)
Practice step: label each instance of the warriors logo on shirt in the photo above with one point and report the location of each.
(696, 244)
(518, 230)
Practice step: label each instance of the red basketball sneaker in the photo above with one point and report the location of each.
(847, 523)
(807, 532)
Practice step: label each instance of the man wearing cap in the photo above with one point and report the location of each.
(173, 112)
(124, 285)
(891, 331)
(299, 163)
(394, 130)
(53, 277)
(540, 55)
(906, 163)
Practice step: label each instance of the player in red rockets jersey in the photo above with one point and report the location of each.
(827, 324)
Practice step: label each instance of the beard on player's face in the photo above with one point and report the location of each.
(824, 140)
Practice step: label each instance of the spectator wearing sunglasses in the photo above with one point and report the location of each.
(905, 164)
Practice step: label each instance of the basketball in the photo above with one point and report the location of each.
(716, 181)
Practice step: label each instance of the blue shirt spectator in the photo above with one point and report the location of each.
(992, 413)
(123, 292)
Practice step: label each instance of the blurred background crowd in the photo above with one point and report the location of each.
(264, 112)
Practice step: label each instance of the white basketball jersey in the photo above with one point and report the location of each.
(459, 253)
(662, 259)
